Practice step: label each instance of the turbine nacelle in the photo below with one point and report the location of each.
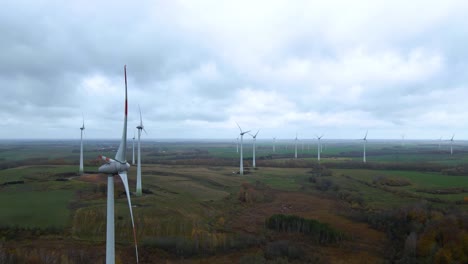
(242, 132)
(141, 127)
(82, 127)
(255, 136)
(365, 137)
(112, 166)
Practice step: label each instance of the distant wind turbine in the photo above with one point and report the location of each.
(274, 143)
(403, 140)
(82, 128)
(241, 169)
(112, 167)
(319, 147)
(295, 147)
(365, 142)
(254, 137)
(440, 141)
(451, 145)
(140, 128)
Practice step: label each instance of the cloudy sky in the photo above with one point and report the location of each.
(196, 67)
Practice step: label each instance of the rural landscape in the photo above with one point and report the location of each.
(244, 132)
(407, 204)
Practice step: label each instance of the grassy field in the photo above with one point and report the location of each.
(35, 209)
(196, 200)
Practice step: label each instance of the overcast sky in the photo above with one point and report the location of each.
(196, 67)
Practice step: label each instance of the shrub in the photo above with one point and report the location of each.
(393, 181)
(321, 232)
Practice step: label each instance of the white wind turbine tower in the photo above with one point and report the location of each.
(82, 128)
(319, 147)
(365, 141)
(241, 169)
(140, 128)
(254, 139)
(295, 147)
(133, 148)
(112, 167)
(451, 145)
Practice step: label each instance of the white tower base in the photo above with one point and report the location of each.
(81, 153)
(241, 169)
(138, 187)
(110, 232)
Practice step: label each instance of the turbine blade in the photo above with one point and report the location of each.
(145, 131)
(365, 137)
(106, 159)
(257, 133)
(141, 120)
(123, 176)
(120, 156)
(239, 127)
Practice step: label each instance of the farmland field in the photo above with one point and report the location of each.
(196, 208)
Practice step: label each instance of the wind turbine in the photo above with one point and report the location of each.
(133, 147)
(241, 169)
(402, 140)
(140, 128)
(365, 141)
(112, 167)
(319, 147)
(440, 141)
(274, 143)
(82, 128)
(254, 139)
(295, 147)
(451, 145)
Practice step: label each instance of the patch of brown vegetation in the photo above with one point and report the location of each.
(366, 245)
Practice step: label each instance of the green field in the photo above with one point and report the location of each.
(193, 191)
(35, 209)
